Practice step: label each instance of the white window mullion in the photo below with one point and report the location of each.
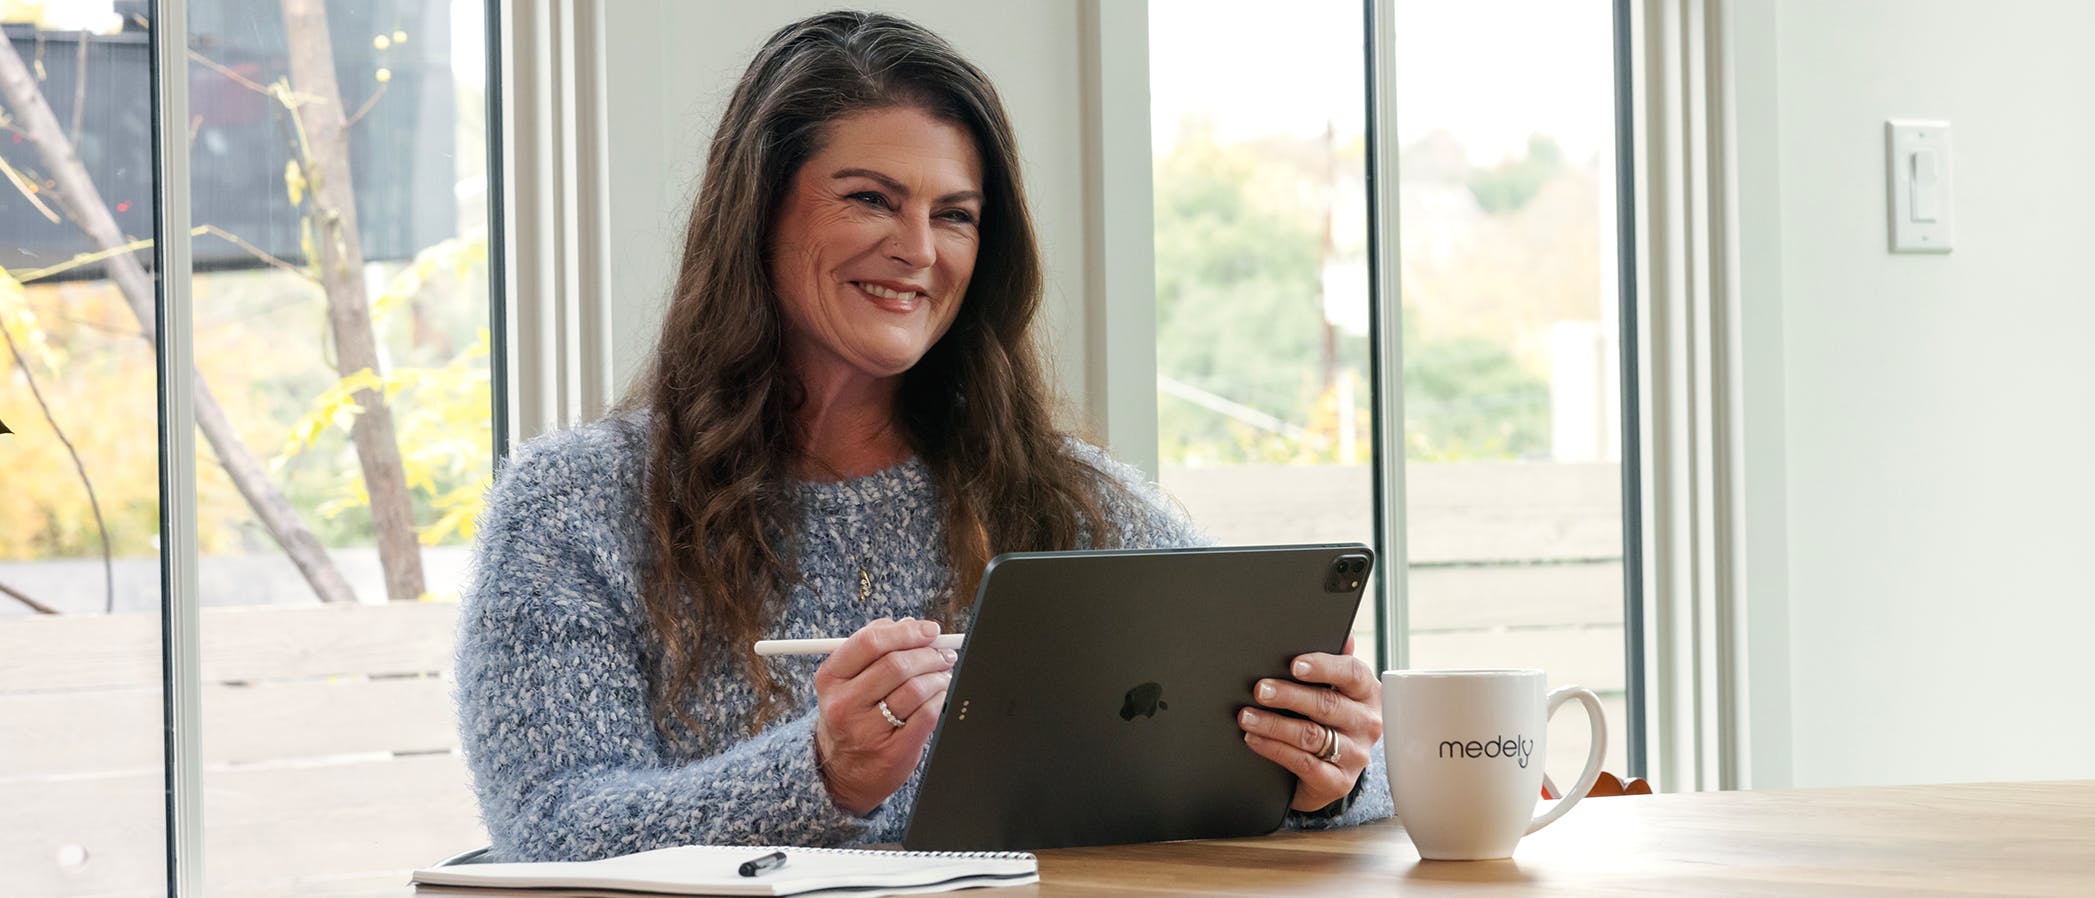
(593, 237)
(1729, 449)
(1694, 562)
(1120, 296)
(180, 647)
(1391, 511)
(556, 215)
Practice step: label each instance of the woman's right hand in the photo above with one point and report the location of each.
(863, 757)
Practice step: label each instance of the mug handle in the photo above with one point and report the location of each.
(1600, 747)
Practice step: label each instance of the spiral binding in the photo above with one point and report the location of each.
(952, 855)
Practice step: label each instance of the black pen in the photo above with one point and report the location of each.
(764, 864)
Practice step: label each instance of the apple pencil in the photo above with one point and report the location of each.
(825, 646)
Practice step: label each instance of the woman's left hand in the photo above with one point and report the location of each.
(1339, 695)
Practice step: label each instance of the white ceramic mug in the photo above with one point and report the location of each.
(1465, 750)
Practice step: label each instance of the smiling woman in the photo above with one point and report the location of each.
(844, 419)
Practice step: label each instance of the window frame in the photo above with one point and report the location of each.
(181, 606)
(180, 603)
(1386, 355)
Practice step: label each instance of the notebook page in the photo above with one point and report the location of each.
(712, 870)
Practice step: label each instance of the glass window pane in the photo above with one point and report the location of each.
(341, 322)
(80, 701)
(1263, 394)
(1511, 384)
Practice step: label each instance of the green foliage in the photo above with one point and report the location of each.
(1467, 398)
(1240, 316)
(1239, 300)
(1507, 188)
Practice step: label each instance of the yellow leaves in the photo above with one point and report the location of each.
(440, 418)
(461, 511)
(20, 321)
(469, 254)
(335, 407)
(404, 284)
(355, 496)
(440, 414)
(456, 257)
(294, 182)
(29, 190)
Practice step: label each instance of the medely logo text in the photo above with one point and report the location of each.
(1513, 747)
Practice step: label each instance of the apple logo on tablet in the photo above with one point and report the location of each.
(1146, 700)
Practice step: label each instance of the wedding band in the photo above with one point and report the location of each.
(890, 715)
(1330, 753)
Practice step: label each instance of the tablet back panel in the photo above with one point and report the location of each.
(1095, 701)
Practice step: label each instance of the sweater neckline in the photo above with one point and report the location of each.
(903, 478)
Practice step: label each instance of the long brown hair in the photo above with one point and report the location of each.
(976, 408)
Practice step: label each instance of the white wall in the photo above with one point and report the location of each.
(1935, 413)
(672, 65)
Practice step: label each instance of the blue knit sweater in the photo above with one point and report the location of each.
(552, 677)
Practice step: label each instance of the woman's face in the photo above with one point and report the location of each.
(877, 241)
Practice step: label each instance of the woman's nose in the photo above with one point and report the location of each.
(911, 242)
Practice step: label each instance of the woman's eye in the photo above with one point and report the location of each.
(871, 199)
(958, 216)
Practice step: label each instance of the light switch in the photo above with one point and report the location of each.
(1927, 195)
(1918, 159)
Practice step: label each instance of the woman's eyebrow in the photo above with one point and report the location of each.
(891, 184)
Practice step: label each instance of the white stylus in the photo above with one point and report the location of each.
(825, 646)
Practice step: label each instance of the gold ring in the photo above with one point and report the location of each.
(890, 715)
(1330, 753)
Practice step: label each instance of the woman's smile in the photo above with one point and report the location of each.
(894, 299)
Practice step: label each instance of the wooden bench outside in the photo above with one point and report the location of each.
(330, 752)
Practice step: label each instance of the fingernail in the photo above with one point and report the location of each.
(1265, 692)
(928, 628)
(1250, 717)
(1302, 668)
(950, 655)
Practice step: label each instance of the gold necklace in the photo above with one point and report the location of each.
(865, 581)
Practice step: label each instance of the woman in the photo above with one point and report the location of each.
(844, 419)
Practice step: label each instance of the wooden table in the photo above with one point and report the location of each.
(1994, 839)
(1988, 839)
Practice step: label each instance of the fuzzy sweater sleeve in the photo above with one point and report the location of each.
(553, 693)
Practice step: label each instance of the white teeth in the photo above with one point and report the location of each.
(885, 293)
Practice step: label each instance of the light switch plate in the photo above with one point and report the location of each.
(1920, 174)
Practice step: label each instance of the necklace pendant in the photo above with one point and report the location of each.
(865, 584)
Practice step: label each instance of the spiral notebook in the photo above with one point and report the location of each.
(714, 870)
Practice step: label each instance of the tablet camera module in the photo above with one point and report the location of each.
(1346, 574)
